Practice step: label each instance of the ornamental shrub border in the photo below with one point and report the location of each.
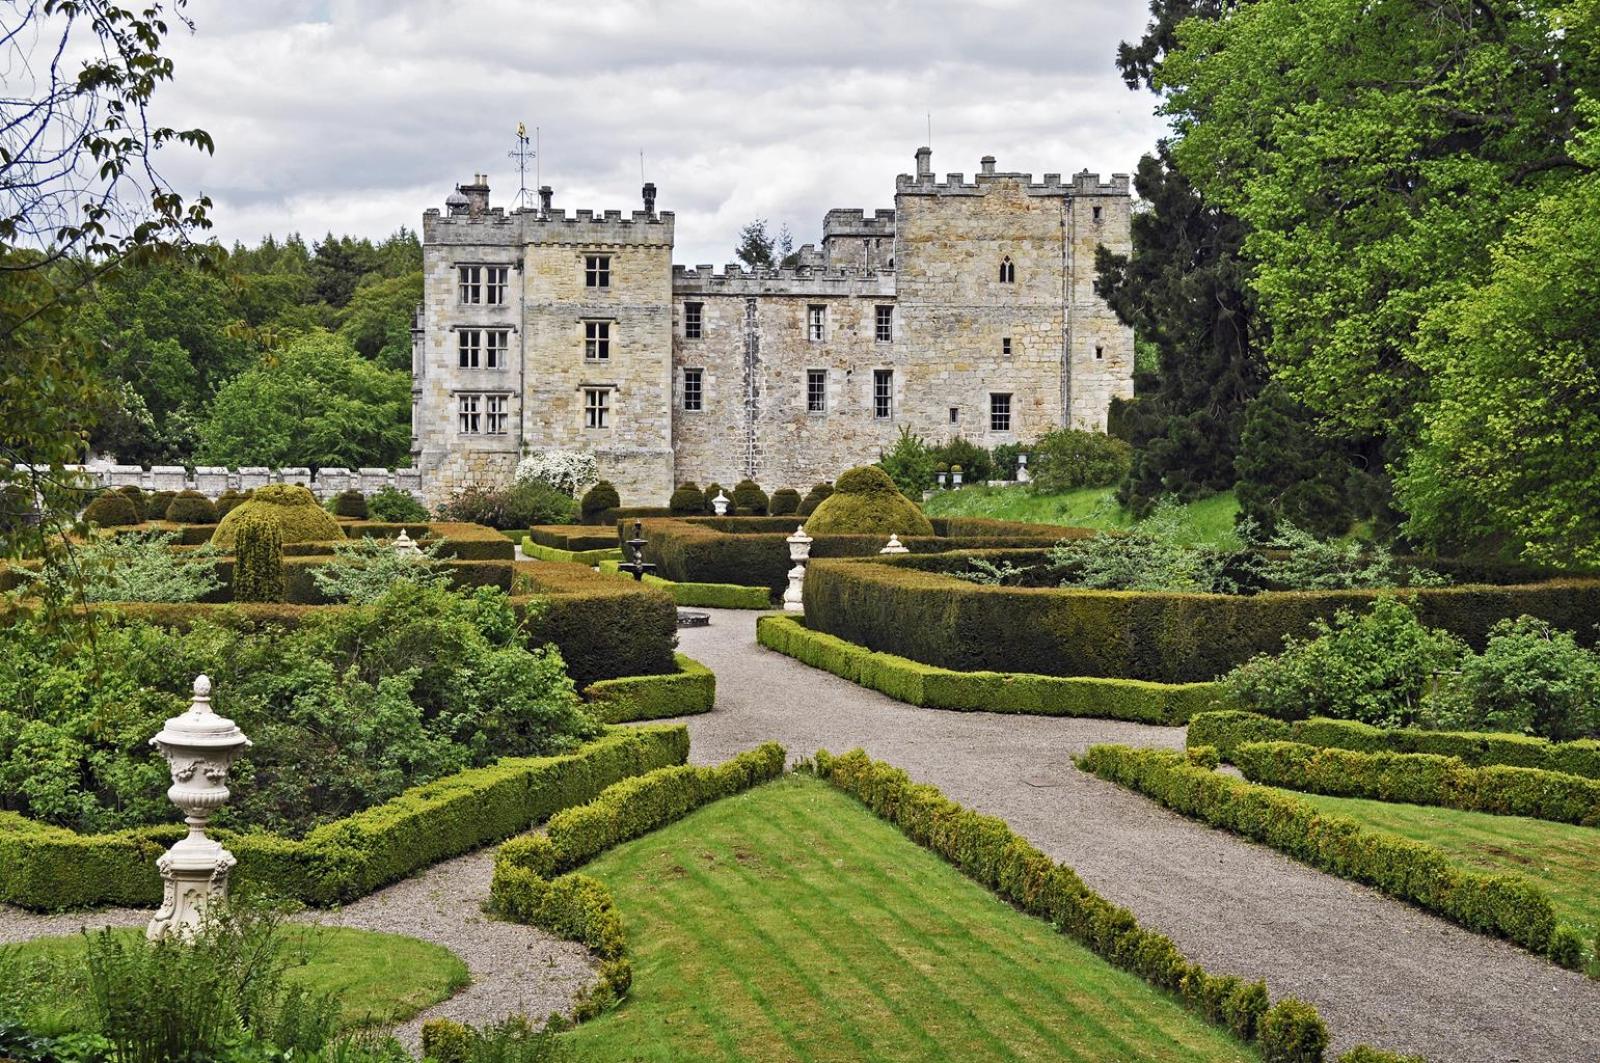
(50, 868)
(909, 606)
(583, 909)
(986, 850)
(1226, 729)
(1504, 905)
(1422, 779)
(932, 687)
(689, 691)
(704, 595)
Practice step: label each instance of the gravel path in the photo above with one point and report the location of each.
(1379, 971)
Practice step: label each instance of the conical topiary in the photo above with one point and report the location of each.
(866, 502)
(291, 507)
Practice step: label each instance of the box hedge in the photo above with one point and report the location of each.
(1227, 729)
(573, 537)
(1505, 905)
(940, 688)
(589, 558)
(605, 627)
(703, 595)
(1422, 779)
(49, 868)
(691, 690)
(911, 607)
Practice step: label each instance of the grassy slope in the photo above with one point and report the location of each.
(383, 977)
(1209, 520)
(791, 924)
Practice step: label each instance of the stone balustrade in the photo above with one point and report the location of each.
(212, 480)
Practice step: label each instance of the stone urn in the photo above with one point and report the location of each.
(799, 553)
(720, 504)
(895, 546)
(199, 747)
(405, 546)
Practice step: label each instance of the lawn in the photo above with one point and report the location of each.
(1562, 858)
(789, 923)
(1210, 520)
(383, 977)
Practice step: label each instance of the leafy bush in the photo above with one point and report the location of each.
(1530, 679)
(394, 506)
(571, 472)
(1068, 458)
(1301, 561)
(909, 463)
(112, 510)
(1150, 556)
(976, 464)
(511, 1040)
(522, 505)
(785, 500)
(129, 567)
(814, 498)
(156, 503)
(865, 502)
(362, 571)
(749, 500)
(1291, 1031)
(687, 501)
(1003, 459)
(258, 561)
(351, 504)
(191, 507)
(599, 498)
(289, 506)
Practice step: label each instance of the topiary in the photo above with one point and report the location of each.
(866, 502)
(814, 498)
(599, 498)
(111, 510)
(351, 504)
(687, 501)
(135, 494)
(156, 503)
(749, 499)
(227, 500)
(712, 491)
(258, 559)
(191, 507)
(785, 500)
(291, 507)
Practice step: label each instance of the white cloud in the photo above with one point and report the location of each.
(356, 115)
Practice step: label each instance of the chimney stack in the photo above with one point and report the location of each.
(924, 163)
(477, 194)
(545, 192)
(650, 198)
(987, 164)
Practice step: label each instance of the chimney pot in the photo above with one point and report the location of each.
(987, 164)
(924, 162)
(545, 192)
(650, 198)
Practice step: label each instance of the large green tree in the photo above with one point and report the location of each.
(377, 321)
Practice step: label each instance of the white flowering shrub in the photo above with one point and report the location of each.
(569, 471)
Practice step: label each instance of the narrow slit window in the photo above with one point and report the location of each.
(693, 320)
(885, 323)
(1096, 213)
(1008, 271)
(1099, 352)
(955, 414)
(597, 408)
(816, 323)
(1005, 346)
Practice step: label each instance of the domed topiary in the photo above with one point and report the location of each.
(111, 510)
(814, 497)
(351, 504)
(687, 501)
(191, 507)
(712, 491)
(599, 498)
(228, 499)
(866, 502)
(291, 507)
(156, 503)
(784, 501)
(750, 499)
(135, 494)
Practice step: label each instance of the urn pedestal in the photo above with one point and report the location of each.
(799, 553)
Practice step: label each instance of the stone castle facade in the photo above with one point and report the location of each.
(968, 309)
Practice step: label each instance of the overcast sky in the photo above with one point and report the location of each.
(356, 115)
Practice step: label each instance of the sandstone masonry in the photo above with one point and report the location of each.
(968, 309)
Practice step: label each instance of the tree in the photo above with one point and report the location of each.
(759, 249)
(315, 403)
(378, 320)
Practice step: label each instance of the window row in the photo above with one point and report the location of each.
(488, 285)
(694, 397)
(816, 322)
(491, 348)
(481, 414)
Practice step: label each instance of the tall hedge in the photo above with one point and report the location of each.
(258, 561)
(605, 627)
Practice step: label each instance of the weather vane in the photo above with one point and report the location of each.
(522, 154)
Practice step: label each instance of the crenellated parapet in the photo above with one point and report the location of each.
(1083, 183)
(553, 227)
(799, 281)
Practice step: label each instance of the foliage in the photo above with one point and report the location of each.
(191, 507)
(976, 464)
(511, 1040)
(570, 471)
(127, 567)
(228, 500)
(257, 560)
(785, 500)
(377, 319)
(394, 506)
(865, 502)
(316, 402)
(156, 503)
(910, 463)
(292, 508)
(759, 249)
(362, 570)
(351, 504)
(524, 504)
(1068, 457)
(1150, 556)
(814, 498)
(691, 690)
(1208, 521)
(687, 501)
(1529, 679)
(1292, 559)
(749, 500)
(112, 509)
(994, 573)
(711, 492)
(1003, 459)
(599, 498)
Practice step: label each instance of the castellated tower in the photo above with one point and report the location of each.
(968, 309)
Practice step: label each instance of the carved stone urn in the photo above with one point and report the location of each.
(719, 505)
(895, 546)
(199, 747)
(799, 553)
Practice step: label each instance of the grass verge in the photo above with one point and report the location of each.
(1209, 520)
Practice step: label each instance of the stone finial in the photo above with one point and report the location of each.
(405, 546)
(895, 546)
(986, 164)
(201, 702)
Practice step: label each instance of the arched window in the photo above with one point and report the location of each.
(1008, 271)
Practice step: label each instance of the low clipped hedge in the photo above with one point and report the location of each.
(50, 868)
(704, 595)
(1422, 779)
(458, 540)
(986, 850)
(940, 688)
(570, 557)
(910, 606)
(1227, 729)
(1504, 905)
(573, 537)
(691, 690)
(605, 627)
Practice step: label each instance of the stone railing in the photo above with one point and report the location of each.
(212, 480)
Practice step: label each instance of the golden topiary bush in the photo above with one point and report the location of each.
(866, 502)
(289, 506)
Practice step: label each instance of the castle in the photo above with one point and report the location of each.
(968, 309)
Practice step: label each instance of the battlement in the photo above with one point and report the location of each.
(1083, 183)
(533, 226)
(798, 281)
(854, 222)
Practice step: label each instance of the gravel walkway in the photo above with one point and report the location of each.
(1379, 971)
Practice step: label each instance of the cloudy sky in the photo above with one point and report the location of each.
(356, 115)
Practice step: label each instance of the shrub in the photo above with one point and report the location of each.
(1069, 458)
(749, 500)
(785, 500)
(814, 498)
(230, 498)
(711, 493)
(1530, 679)
(156, 503)
(290, 507)
(1150, 556)
(351, 504)
(191, 507)
(1292, 1032)
(364, 570)
(394, 506)
(606, 627)
(135, 495)
(511, 1040)
(130, 567)
(909, 464)
(866, 502)
(976, 465)
(571, 472)
(1292, 559)
(1004, 460)
(689, 691)
(687, 501)
(522, 505)
(599, 498)
(258, 560)
(112, 510)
